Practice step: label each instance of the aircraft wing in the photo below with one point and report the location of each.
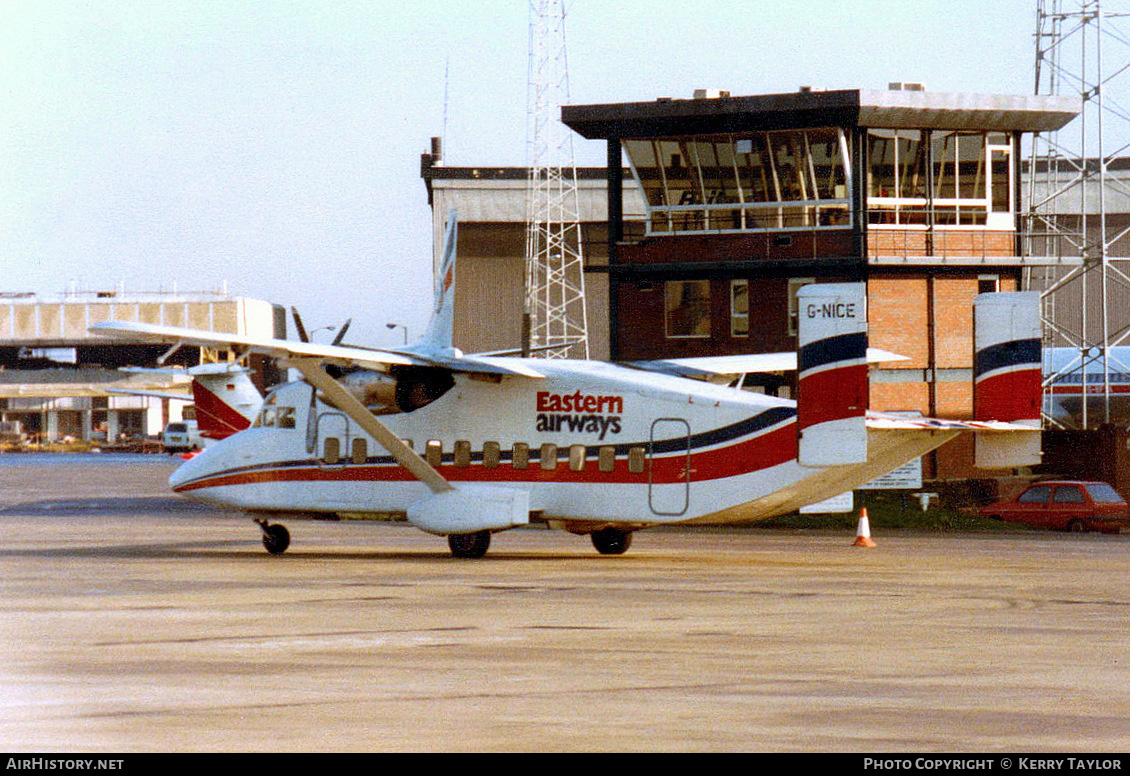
(338, 355)
(153, 394)
(706, 367)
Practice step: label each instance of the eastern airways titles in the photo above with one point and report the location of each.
(563, 412)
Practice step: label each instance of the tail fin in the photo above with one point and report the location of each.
(1007, 376)
(225, 398)
(832, 382)
(438, 337)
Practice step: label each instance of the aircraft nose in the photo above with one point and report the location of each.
(186, 472)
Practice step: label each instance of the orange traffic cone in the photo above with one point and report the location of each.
(863, 531)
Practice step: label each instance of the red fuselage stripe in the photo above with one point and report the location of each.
(750, 455)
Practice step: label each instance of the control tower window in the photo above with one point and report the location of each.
(741, 182)
(947, 180)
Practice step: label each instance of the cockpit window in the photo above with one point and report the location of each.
(276, 417)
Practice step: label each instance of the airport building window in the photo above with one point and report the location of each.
(548, 456)
(521, 455)
(795, 284)
(739, 308)
(920, 179)
(687, 308)
(741, 182)
(492, 455)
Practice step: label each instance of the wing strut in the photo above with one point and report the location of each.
(342, 399)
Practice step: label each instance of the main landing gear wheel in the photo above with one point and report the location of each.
(470, 545)
(275, 537)
(611, 541)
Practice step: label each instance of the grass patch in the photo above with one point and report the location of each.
(893, 510)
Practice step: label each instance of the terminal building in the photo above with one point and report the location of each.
(728, 205)
(59, 381)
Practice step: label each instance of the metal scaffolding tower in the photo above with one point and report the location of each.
(554, 319)
(1081, 50)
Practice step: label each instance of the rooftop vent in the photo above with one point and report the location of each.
(710, 94)
(906, 86)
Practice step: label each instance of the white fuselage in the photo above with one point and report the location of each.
(593, 443)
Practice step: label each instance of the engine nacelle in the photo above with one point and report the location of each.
(402, 389)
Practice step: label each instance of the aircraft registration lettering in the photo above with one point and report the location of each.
(831, 310)
(579, 413)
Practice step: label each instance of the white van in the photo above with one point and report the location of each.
(181, 436)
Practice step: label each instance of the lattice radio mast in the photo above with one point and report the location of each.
(1081, 51)
(554, 320)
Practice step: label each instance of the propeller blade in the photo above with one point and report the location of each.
(341, 333)
(298, 325)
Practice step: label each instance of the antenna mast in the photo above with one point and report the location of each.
(1070, 187)
(554, 318)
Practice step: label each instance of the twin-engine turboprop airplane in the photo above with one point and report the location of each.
(471, 445)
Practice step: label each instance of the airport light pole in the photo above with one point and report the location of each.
(399, 325)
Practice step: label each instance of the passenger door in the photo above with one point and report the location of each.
(669, 467)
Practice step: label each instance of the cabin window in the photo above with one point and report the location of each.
(636, 458)
(492, 454)
(434, 452)
(408, 444)
(687, 308)
(360, 451)
(548, 456)
(521, 455)
(739, 308)
(331, 450)
(577, 458)
(462, 454)
(607, 458)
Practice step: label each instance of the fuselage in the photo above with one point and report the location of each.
(593, 443)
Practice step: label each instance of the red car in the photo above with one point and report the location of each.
(1064, 505)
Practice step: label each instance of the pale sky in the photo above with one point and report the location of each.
(276, 145)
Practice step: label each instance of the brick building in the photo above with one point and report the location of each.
(748, 198)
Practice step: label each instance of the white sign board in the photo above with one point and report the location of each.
(907, 476)
(845, 502)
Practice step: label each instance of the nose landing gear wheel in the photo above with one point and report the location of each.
(611, 541)
(472, 545)
(275, 537)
